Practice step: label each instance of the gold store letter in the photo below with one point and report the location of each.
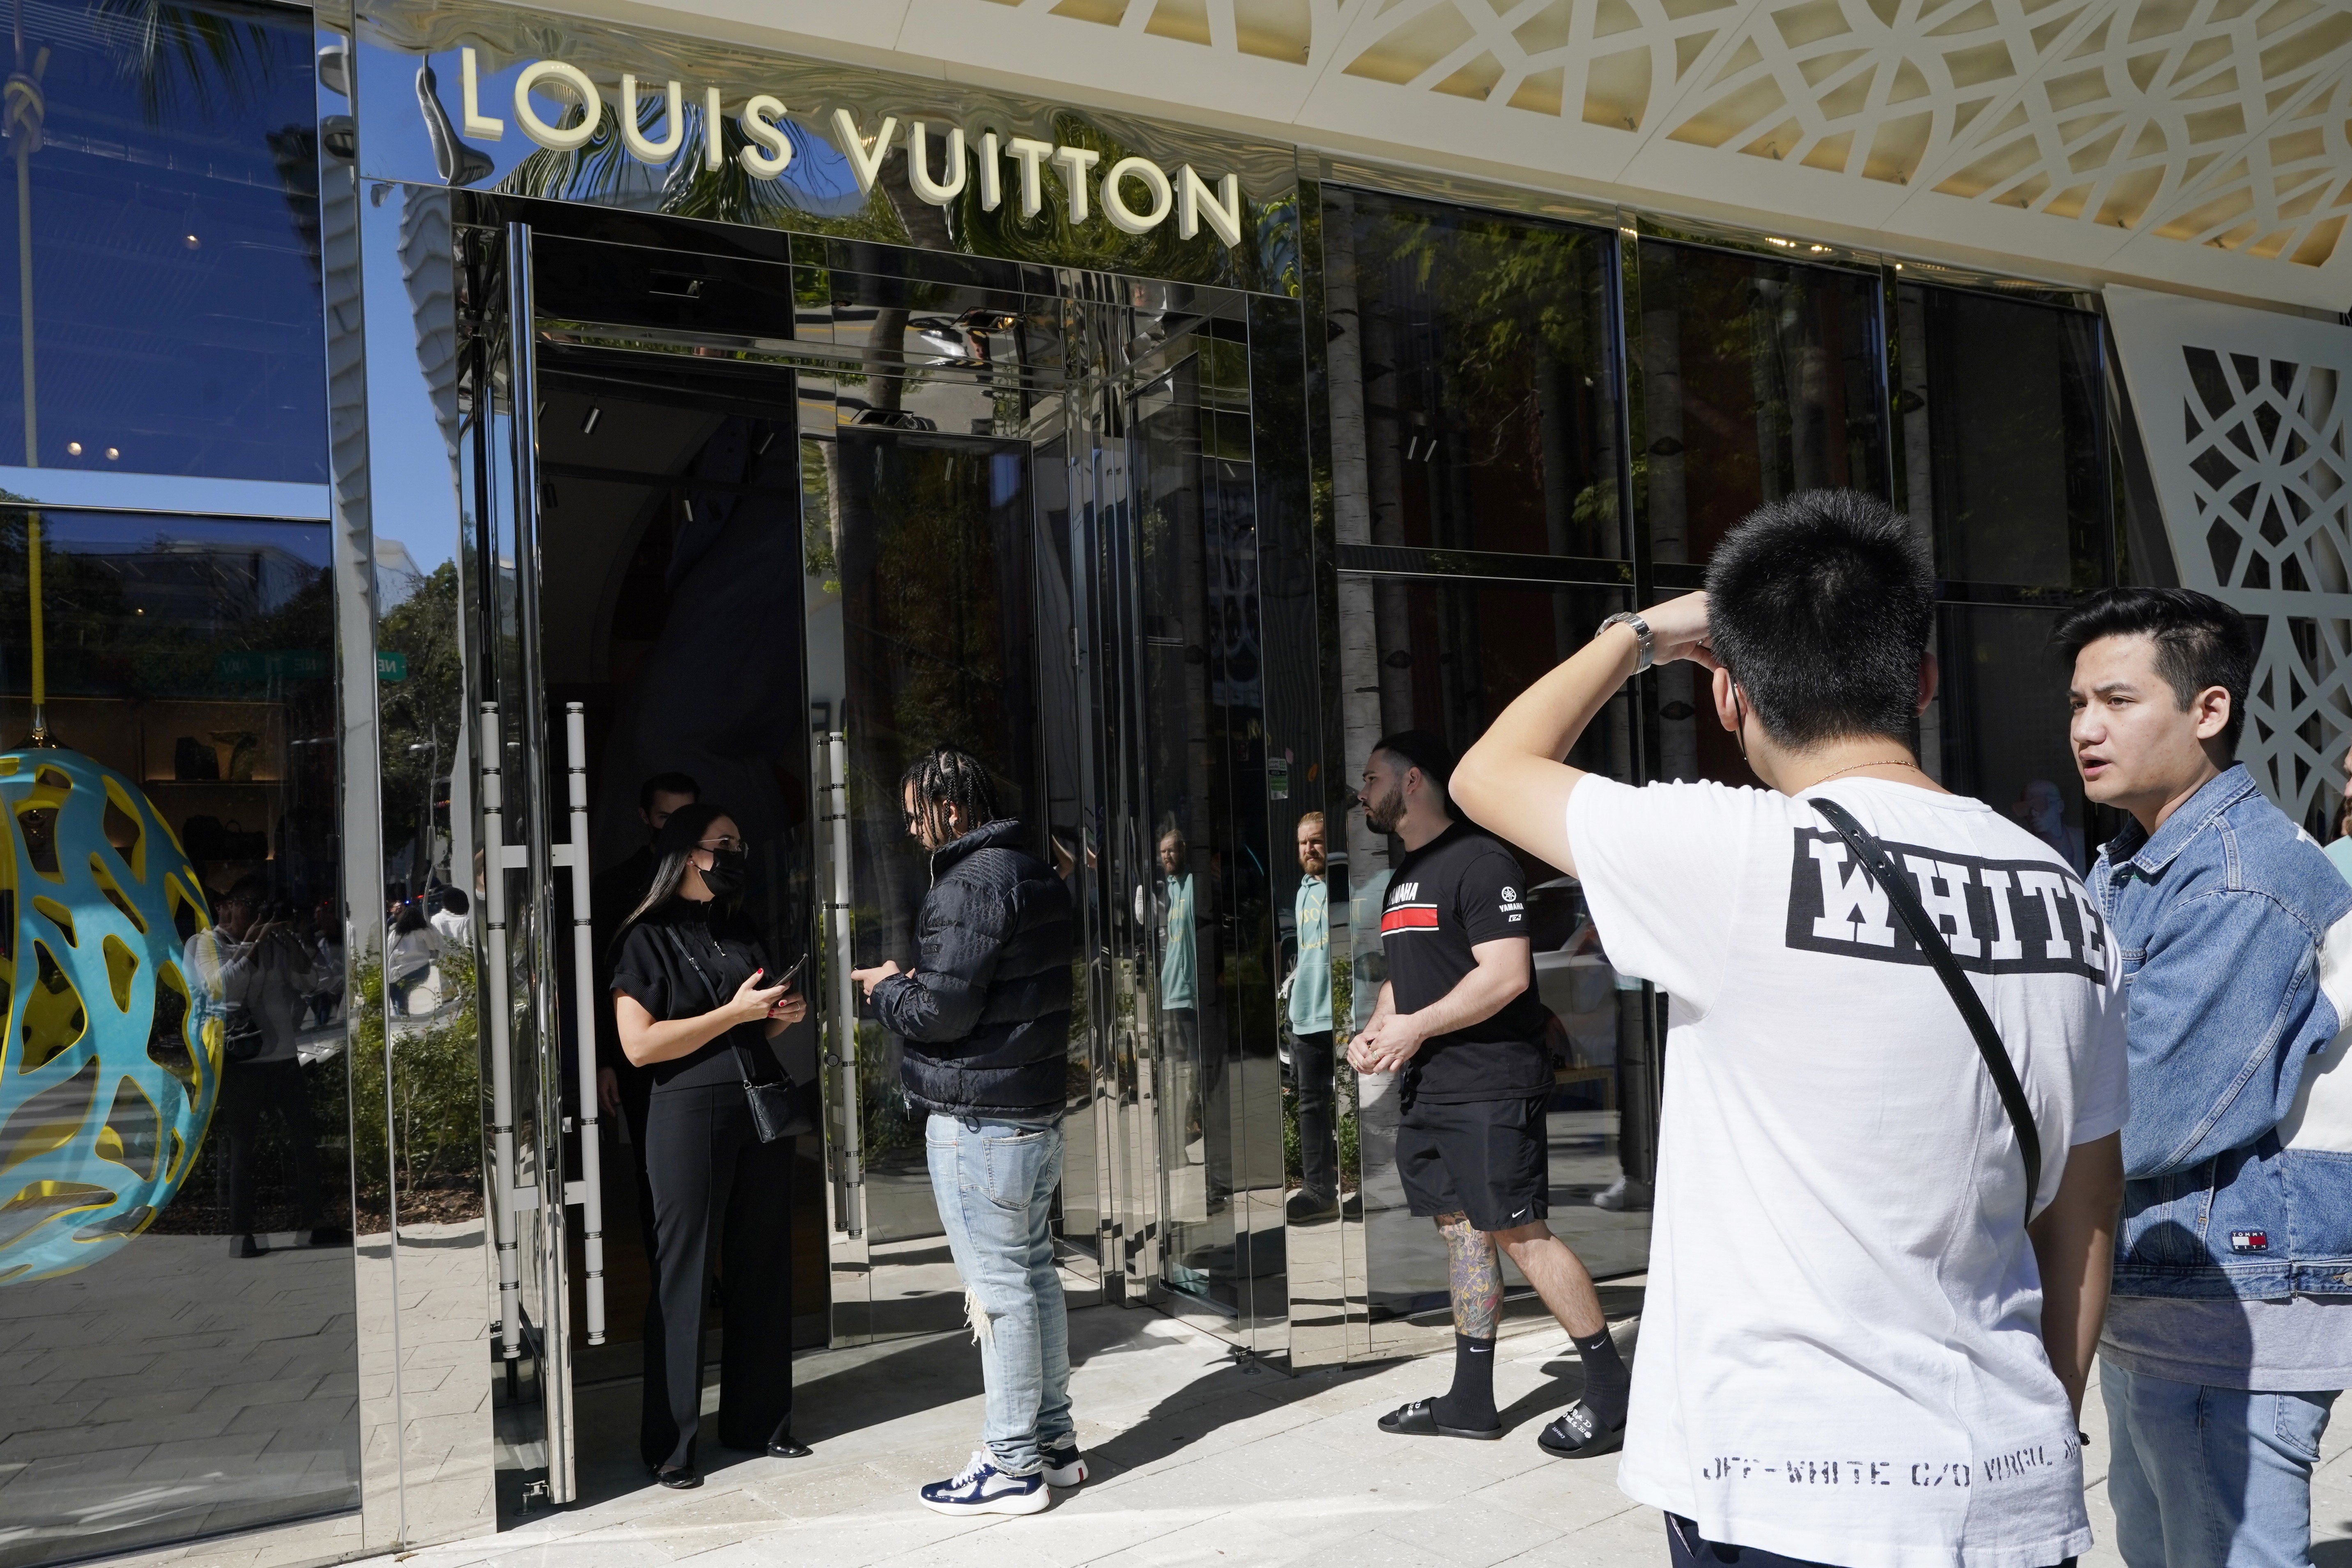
(477, 122)
(557, 139)
(644, 149)
(867, 166)
(1223, 210)
(770, 151)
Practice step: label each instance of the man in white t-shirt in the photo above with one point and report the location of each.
(1854, 1350)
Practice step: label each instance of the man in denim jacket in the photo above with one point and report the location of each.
(2230, 1329)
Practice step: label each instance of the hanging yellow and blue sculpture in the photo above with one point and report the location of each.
(110, 1068)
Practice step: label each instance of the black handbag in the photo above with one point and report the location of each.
(777, 1110)
(241, 1039)
(1873, 858)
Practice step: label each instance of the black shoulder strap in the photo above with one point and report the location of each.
(742, 1053)
(1872, 857)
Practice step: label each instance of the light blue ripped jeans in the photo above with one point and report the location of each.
(993, 1180)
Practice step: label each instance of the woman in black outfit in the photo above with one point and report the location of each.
(691, 1008)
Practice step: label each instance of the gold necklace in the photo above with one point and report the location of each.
(1889, 762)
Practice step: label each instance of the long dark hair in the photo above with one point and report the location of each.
(678, 838)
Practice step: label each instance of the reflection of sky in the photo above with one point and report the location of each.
(412, 496)
(175, 264)
(395, 145)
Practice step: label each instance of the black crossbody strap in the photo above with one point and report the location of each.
(1873, 858)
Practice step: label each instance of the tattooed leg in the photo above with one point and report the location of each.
(1474, 1275)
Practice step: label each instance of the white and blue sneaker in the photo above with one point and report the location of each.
(1065, 1467)
(985, 1489)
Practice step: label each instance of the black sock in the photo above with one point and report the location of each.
(1471, 1402)
(1607, 1380)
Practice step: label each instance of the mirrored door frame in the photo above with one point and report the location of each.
(1102, 340)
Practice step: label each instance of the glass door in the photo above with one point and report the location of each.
(513, 862)
(929, 636)
(1198, 802)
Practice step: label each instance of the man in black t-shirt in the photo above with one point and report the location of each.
(1459, 1016)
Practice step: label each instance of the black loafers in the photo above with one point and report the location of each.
(1576, 1435)
(1419, 1419)
(782, 1446)
(678, 1478)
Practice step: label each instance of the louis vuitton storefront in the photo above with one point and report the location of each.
(438, 428)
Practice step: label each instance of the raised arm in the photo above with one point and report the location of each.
(1513, 782)
(2074, 1245)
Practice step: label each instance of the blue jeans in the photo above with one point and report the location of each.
(994, 1181)
(2209, 1477)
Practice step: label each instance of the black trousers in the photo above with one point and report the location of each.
(1318, 1146)
(712, 1179)
(249, 1088)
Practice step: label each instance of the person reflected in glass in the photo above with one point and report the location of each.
(694, 1007)
(2043, 809)
(409, 963)
(1179, 1014)
(1318, 1197)
(255, 974)
(2339, 848)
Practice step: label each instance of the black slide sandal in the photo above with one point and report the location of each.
(1576, 1435)
(1419, 1419)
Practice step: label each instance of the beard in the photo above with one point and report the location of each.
(1314, 863)
(1384, 814)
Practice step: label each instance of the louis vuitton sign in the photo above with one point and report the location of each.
(559, 106)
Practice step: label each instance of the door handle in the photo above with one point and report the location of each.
(573, 857)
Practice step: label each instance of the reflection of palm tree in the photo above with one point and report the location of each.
(166, 47)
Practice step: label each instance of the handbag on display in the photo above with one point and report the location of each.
(778, 1109)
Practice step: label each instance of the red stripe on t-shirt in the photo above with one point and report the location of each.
(1409, 917)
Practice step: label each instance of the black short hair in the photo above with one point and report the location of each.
(1820, 605)
(1422, 750)
(455, 902)
(666, 784)
(2200, 641)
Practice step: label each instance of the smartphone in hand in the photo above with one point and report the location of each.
(792, 976)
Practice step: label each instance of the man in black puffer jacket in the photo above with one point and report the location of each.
(985, 1016)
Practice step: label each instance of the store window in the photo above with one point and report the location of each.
(1448, 657)
(1759, 379)
(1472, 382)
(2004, 427)
(169, 163)
(176, 1285)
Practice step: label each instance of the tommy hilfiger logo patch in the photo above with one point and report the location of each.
(2249, 1241)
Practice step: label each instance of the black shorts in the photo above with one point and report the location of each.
(1487, 1159)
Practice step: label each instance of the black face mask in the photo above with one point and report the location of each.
(726, 874)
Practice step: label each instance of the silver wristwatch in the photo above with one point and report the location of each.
(1641, 634)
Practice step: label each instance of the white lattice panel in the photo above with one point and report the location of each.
(2179, 140)
(2247, 418)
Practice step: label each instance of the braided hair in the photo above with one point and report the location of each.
(949, 786)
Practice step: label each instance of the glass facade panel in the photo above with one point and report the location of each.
(2001, 718)
(1481, 386)
(1203, 685)
(1448, 657)
(173, 244)
(2004, 437)
(177, 1297)
(1759, 379)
